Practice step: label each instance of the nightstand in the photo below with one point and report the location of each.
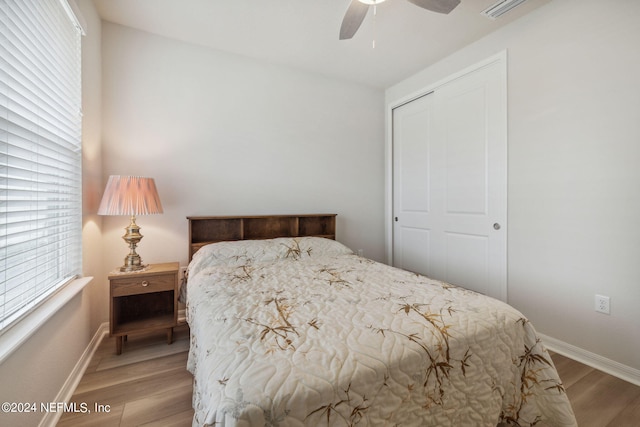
(143, 301)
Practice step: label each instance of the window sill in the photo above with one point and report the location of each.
(17, 334)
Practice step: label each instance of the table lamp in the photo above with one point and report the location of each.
(130, 195)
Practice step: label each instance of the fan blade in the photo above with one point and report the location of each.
(353, 19)
(440, 6)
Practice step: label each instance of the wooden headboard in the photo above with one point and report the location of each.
(210, 229)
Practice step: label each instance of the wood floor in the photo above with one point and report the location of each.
(598, 399)
(148, 385)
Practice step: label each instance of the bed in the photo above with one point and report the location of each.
(291, 328)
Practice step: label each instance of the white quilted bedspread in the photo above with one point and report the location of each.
(301, 332)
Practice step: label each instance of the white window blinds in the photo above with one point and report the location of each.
(40, 153)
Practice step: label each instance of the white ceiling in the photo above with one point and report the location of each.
(304, 33)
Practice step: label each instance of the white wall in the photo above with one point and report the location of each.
(223, 134)
(37, 371)
(574, 156)
(92, 183)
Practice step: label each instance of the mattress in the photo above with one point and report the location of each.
(302, 332)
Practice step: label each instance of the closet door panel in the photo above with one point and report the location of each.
(450, 182)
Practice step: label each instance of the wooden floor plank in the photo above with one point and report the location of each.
(628, 416)
(131, 390)
(134, 371)
(572, 372)
(181, 419)
(157, 407)
(106, 419)
(143, 354)
(598, 398)
(148, 385)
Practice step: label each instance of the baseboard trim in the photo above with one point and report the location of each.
(611, 367)
(65, 393)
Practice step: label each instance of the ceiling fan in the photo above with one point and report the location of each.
(358, 10)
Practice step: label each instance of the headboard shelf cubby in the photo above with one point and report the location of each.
(210, 229)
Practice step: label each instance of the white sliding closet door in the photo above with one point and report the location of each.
(450, 182)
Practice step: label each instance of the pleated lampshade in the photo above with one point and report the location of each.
(130, 195)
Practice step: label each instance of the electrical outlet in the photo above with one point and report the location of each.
(183, 273)
(603, 304)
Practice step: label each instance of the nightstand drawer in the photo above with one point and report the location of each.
(143, 285)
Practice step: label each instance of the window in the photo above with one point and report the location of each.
(40, 153)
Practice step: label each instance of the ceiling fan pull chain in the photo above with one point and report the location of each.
(375, 13)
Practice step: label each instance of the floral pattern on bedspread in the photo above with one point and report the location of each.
(340, 340)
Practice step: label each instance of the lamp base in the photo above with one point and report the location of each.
(128, 268)
(132, 262)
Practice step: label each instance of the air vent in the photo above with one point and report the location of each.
(500, 8)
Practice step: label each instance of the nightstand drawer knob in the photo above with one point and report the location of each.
(145, 283)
